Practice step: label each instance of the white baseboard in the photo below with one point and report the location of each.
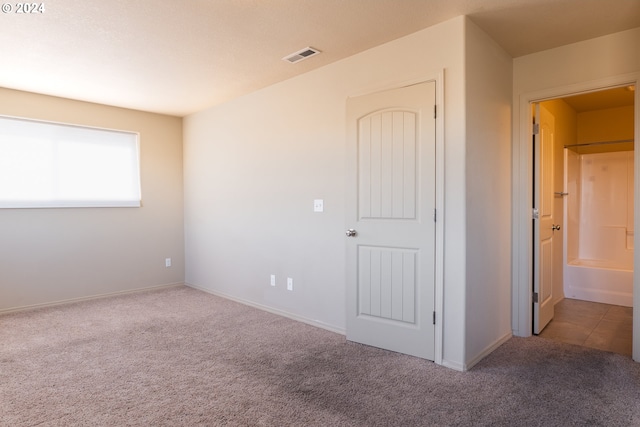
(453, 365)
(266, 308)
(487, 351)
(603, 296)
(88, 298)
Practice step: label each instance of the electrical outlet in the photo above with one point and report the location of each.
(289, 284)
(273, 280)
(167, 262)
(318, 205)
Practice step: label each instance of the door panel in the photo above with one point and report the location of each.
(386, 283)
(391, 200)
(387, 172)
(544, 226)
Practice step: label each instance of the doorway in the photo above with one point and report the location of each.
(589, 176)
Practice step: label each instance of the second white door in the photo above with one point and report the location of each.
(544, 224)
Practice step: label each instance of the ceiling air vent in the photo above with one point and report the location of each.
(301, 54)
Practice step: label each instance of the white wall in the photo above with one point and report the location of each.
(254, 165)
(488, 193)
(51, 255)
(588, 65)
(569, 65)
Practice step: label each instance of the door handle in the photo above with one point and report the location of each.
(555, 227)
(351, 233)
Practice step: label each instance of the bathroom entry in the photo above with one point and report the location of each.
(583, 176)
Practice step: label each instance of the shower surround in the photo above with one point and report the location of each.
(599, 227)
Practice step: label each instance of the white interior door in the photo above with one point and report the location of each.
(544, 226)
(391, 205)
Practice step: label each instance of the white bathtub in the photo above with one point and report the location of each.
(597, 281)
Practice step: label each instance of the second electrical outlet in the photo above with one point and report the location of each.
(289, 284)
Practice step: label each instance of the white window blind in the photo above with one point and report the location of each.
(45, 165)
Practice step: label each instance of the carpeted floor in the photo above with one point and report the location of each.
(181, 357)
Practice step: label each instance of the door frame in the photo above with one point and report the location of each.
(522, 187)
(438, 78)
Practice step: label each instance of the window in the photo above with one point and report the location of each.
(45, 165)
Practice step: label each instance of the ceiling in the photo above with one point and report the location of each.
(177, 58)
(603, 99)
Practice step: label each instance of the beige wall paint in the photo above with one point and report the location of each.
(255, 165)
(51, 255)
(488, 73)
(566, 66)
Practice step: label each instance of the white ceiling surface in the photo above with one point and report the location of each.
(179, 57)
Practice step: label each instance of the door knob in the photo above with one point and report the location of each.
(555, 227)
(351, 232)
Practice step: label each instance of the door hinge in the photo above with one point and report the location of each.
(435, 215)
(434, 317)
(535, 297)
(536, 128)
(535, 213)
(435, 111)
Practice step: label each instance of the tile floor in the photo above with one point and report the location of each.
(591, 324)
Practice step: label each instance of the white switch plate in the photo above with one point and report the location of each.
(289, 284)
(167, 262)
(318, 205)
(273, 280)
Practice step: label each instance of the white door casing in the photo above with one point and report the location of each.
(544, 226)
(391, 203)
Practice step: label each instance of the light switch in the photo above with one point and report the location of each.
(318, 205)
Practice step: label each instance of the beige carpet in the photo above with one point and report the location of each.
(181, 357)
